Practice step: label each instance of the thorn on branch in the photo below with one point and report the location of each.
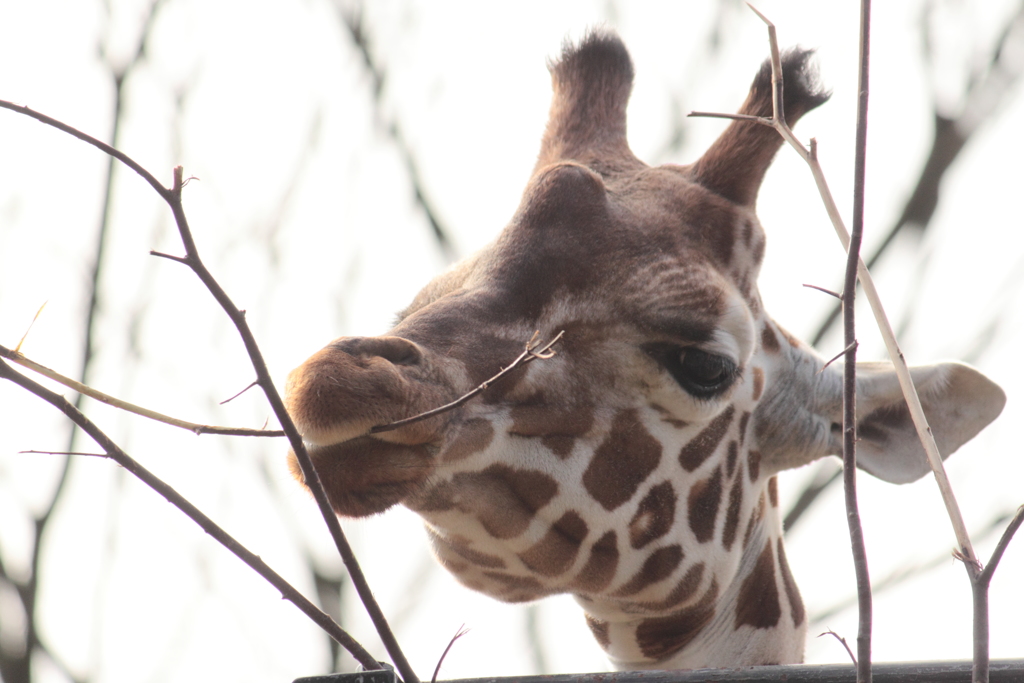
(826, 291)
(180, 259)
(29, 329)
(833, 359)
(228, 400)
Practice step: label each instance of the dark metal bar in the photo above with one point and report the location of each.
(1002, 671)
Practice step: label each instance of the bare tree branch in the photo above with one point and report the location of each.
(353, 22)
(860, 556)
(237, 316)
(980, 582)
(989, 87)
(22, 360)
(115, 453)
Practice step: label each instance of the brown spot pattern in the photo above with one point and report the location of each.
(744, 419)
(558, 427)
(702, 505)
(600, 568)
(662, 637)
(773, 492)
(474, 436)
(446, 546)
(622, 462)
(704, 444)
(758, 601)
(754, 465)
(796, 604)
(683, 591)
(755, 517)
(559, 444)
(730, 459)
(555, 553)
(732, 515)
(758, 383)
(437, 498)
(769, 342)
(600, 630)
(658, 566)
(654, 516)
(503, 499)
(667, 417)
(793, 341)
(517, 588)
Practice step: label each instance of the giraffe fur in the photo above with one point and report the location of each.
(636, 468)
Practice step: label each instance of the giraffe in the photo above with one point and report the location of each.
(636, 468)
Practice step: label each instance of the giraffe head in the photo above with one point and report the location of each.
(635, 468)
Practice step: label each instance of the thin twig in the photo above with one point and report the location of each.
(980, 582)
(102, 146)
(169, 257)
(826, 291)
(437, 669)
(30, 325)
(529, 354)
(115, 453)
(842, 640)
(22, 360)
(83, 453)
(228, 400)
(860, 556)
(885, 328)
(990, 85)
(309, 473)
(852, 347)
(191, 259)
(852, 244)
(764, 121)
(1004, 540)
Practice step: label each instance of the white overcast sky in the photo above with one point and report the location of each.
(304, 211)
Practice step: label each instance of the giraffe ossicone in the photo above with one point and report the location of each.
(634, 469)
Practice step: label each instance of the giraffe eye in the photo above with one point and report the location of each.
(699, 373)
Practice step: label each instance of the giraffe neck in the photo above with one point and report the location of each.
(758, 618)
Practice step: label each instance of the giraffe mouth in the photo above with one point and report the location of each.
(365, 475)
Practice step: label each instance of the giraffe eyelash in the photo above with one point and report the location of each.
(702, 374)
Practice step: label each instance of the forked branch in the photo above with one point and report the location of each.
(191, 259)
(114, 452)
(21, 359)
(980, 582)
(924, 432)
(980, 577)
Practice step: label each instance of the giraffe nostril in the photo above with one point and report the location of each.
(393, 349)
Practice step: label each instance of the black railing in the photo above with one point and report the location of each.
(1001, 671)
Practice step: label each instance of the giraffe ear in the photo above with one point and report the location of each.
(958, 401)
